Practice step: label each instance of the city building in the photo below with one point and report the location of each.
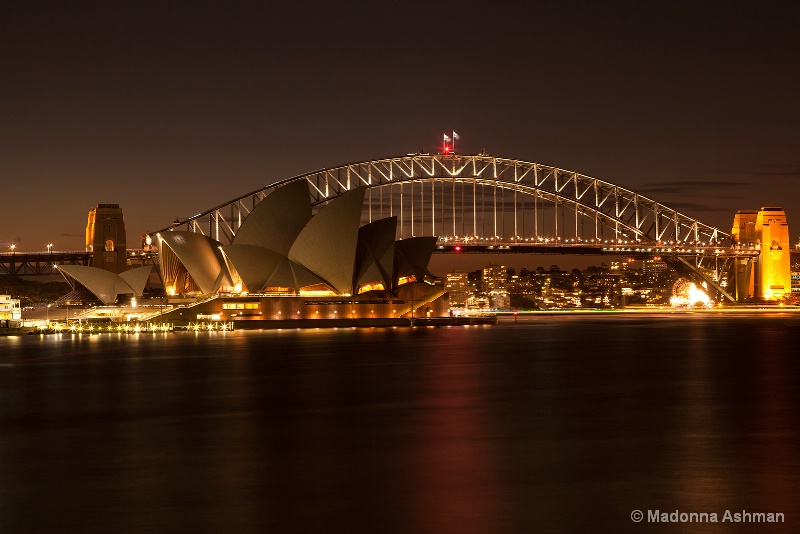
(459, 288)
(653, 267)
(9, 310)
(495, 279)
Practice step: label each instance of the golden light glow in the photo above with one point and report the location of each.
(372, 286)
(688, 295)
(317, 290)
(277, 290)
(240, 305)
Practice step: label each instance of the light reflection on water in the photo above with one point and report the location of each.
(554, 424)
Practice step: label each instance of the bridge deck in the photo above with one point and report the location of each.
(595, 249)
(44, 263)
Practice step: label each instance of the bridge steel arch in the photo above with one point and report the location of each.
(481, 199)
(490, 202)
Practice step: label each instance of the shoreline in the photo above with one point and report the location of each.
(272, 325)
(504, 316)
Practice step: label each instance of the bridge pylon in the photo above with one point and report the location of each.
(768, 275)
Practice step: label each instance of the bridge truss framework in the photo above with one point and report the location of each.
(485, 202)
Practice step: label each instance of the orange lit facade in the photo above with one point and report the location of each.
(767, 277)
(425, 299)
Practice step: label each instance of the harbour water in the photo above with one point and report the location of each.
(556, 423)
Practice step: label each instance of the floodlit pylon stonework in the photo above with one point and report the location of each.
(767, 276)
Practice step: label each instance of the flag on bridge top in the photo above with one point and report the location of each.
(455, 135)
(446, 139)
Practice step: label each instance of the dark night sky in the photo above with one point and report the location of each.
(170, 108)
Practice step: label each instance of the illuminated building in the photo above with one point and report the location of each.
(795, 270)
(495, 278)
(9, 309)
(458, 287)
(286, 263)
(768, 276)
(653, 267)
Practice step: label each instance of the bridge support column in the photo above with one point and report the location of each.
(744, 280)
(768, 277)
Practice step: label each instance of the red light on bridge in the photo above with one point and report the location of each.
(446, 149)
(457, 248)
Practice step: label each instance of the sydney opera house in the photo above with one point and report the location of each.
(288, 263)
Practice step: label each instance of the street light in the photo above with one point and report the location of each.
(13, 246)
(49, 248)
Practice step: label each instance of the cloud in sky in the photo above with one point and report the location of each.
(682, 186)
(690, 207)
(773, 170)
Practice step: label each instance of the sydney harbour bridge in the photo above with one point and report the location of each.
(486, 203)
